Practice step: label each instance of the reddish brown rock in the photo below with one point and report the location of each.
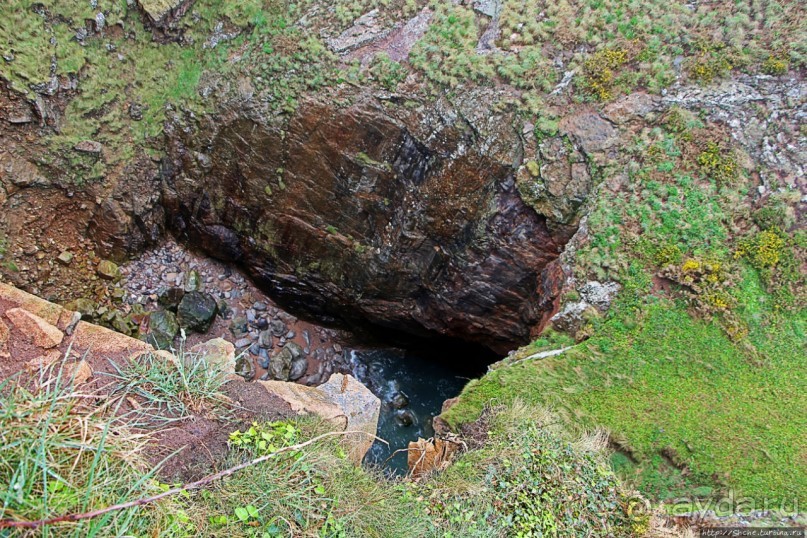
(78, 372)
(103, 341)
(402, 217)
(38, 331)
(43, 361)
(4, 335)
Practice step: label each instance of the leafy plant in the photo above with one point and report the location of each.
(267, 438)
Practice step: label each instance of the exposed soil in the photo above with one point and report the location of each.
(201, 441)
(193, 446)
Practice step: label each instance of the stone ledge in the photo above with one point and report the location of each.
(342, 401)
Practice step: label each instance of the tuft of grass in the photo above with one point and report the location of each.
(171, 389)
(59, 456)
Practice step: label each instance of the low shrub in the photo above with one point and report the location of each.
(718, 163)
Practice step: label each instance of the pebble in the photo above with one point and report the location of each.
(256, 324)
(265, 339)
(263, 359)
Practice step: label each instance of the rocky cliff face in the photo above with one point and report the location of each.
(435, 217)
(402, 215)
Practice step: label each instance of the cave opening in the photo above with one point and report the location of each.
(412, 376)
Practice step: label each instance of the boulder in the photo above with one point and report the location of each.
(193, 282)
(108, 270)
(265, 339)
(361, 407)
(399, 400)
(90, 147)
(594, 134)
(239, 326)
(65, 258)
(342, 401)
(163, 328)
(295, 349)
(365, 30)
(50, 312)
(38, 331)
(196, 311)
(280, 364)
(405, 417)
(171, 297)
(162, 13)
(573, 316)
(103, 341)
(558, 186)
(298, 368)
(245, 368)
(277, 328)
(217, 353)
(86, 307)
(598, 294)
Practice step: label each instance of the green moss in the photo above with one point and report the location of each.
(365, 160)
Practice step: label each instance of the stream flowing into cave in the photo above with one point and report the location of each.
(412, 390)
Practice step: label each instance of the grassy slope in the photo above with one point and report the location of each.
(668, 381)
(709, 374)
(58, 456)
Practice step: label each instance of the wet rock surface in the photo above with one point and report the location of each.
(400, 217)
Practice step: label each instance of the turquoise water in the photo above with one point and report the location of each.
(425, 384)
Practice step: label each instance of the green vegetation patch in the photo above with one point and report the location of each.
(693, 370)
(58, 457)
(663, 382)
